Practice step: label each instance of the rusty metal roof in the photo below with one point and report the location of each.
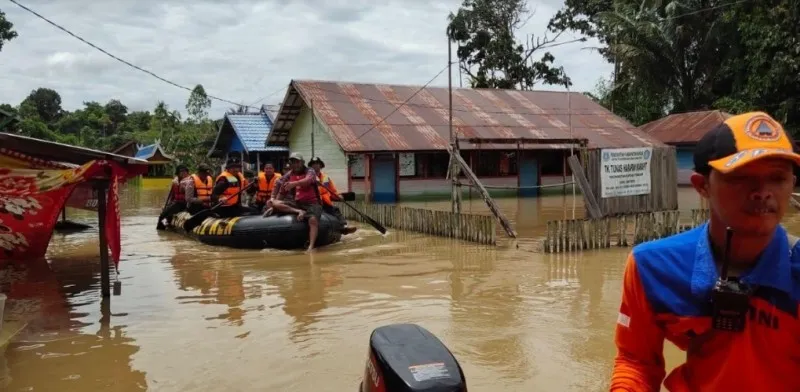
(353, 114)
(684, 128)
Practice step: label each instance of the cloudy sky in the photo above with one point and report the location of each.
(241, 51)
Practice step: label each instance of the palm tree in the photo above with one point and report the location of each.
(671, 48)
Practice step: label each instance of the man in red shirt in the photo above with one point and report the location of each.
(302, 182)
(739, 335)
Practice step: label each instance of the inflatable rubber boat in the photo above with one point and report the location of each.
(259, 232)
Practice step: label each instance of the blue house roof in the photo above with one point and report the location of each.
(147, 152)
(251, 132)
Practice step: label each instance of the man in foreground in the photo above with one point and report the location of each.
(328, 194)
(302, 182)
(744, 168)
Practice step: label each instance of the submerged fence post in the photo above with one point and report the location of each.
(105, 279)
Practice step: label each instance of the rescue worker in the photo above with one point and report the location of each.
(266, 184)
(744, 168)
(177, 197)
(198, 190)
(227, 189)
(302, 181)
(328, 194)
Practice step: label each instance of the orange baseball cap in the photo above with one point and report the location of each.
(743, 139)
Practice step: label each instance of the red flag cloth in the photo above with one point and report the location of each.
(32, 196)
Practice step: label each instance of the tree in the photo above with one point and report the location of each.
(46, 103)
(631, 101)
(485, 31)
(116, 113)
(198, 104)
(239, 109)
(7, 32)
(675, 53)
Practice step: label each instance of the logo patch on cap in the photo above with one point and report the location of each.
(762, 128)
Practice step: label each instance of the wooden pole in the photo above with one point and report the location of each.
(455, 190)
(571, 149)
(313, 125)
(105, 280)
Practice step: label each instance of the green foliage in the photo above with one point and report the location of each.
(110, 125)
(198, 104)
(489, 52)
(694, 54)
(7, 32)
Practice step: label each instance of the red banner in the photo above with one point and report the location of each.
(31, 200)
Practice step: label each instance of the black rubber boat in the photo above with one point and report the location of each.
(258, 232)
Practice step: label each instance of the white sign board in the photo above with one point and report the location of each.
(625, 172)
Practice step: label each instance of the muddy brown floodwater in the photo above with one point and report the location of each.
(196, 318)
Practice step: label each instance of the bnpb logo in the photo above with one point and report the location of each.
(762, 128)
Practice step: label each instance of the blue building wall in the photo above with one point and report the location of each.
(236, 145)
(685, 157)
(685, 160)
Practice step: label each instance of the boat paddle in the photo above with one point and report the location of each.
(198, 218)
(369, 220)
(160, 225)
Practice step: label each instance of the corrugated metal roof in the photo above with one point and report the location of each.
(353, 114)
(683, 128)
(253, 131)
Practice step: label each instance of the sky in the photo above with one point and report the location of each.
(244, 52)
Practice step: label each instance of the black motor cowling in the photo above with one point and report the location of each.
(408, 358)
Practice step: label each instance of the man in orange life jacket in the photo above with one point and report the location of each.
(302, 181)
(328, 194)
(266, 185)
(740, 335)
(198, 190)
(177, 202)
(227, 189)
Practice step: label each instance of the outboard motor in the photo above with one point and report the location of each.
(408, 358)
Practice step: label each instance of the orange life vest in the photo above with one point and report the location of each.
(235, 184)
(324, 194)
(265, 187)
(177, 191)
(202, 190)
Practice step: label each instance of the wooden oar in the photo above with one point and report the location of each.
(160, 225)
(369, 220)
(198, 218)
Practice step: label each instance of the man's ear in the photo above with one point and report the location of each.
(700, 184)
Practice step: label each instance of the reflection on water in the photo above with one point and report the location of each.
(196, 318)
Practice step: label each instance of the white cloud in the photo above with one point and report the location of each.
(239, 50)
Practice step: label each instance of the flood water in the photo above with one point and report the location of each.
(196, 318)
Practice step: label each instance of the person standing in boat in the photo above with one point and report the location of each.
(228, 187)
(266, 185)
(177, 196)
(198, 190)
(328, 194)
(302, 182)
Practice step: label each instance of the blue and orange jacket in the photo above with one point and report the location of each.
(666, 295)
